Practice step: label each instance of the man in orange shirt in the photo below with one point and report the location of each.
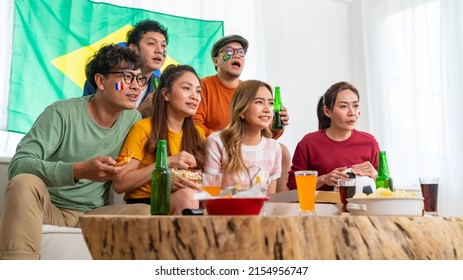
(229, 57)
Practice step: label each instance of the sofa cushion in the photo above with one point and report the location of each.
(63, 243)
(4, 161)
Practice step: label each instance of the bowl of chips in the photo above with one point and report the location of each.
(386, 203)
(230, 206)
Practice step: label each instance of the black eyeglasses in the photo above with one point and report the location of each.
(129, 77)
(230, 51)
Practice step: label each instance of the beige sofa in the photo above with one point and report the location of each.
(58, 243)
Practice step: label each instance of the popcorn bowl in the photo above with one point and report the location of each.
(233, 206)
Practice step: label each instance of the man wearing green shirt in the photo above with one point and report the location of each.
(63, 167)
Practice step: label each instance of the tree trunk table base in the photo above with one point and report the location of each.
(275, 238)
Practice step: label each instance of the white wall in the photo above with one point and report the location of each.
(302, 45)
(307, 49)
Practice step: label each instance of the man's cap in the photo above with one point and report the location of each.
(228, 39)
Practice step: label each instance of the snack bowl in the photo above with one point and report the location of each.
(385, 206)
(234, 206)
(192, 175)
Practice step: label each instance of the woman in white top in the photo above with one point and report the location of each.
(245, 146)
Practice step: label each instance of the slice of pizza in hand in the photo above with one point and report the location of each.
(124, 158)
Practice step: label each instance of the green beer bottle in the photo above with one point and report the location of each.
(383, 180)
(160, 182)
(277, 105)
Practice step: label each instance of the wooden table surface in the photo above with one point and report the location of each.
(277, 237)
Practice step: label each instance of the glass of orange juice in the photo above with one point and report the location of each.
(306, 182)
(212, 183)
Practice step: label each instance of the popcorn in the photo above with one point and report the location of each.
(190, 175)
(360, 195)
(382, 192)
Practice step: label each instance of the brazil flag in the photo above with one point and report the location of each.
(52, 40)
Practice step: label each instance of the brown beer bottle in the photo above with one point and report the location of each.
(384, 179)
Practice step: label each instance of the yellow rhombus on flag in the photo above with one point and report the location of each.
(53, 39)
(73, 66)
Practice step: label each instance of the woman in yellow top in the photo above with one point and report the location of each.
(174, 105)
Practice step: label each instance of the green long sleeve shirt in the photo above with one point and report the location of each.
(63, 134)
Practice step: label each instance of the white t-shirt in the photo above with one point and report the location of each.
(266, 155)
(141, 96)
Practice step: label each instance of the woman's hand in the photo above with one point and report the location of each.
(182, 183)
(182, 160)
(284, 116)
(331, 179)
(365, 169)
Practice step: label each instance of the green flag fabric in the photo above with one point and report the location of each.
(53, 39)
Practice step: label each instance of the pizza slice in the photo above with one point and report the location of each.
(123, 158)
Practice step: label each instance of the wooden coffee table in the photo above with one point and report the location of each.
(276, 238)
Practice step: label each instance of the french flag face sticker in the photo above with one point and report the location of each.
(119, 86)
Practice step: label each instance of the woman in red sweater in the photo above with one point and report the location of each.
(337, 145)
